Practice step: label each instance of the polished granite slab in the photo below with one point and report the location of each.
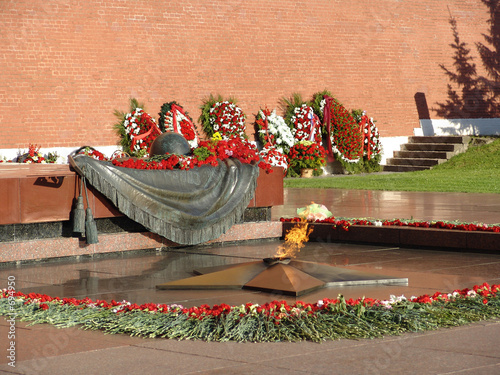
(484, 208)
(133, 276)
(471, 349)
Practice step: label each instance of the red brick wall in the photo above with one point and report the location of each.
(67, 65)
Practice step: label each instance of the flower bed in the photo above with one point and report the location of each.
(327, 319)
(438, 235)
(345, 223)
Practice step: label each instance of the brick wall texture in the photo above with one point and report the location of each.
(67, 65)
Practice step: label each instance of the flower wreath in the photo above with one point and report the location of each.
(371, 145)
(223, 117)
(173, 118)
(343, 131)
(137, 130)
(228, 119)
(306, 124)
(273, 130)
(141, 129)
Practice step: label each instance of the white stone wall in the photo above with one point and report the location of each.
(389, 145)
(477, 127)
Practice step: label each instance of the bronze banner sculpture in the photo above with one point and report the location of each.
(186, 206)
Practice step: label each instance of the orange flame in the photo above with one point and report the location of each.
(294, 240)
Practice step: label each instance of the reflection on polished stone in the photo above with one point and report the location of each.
(483, 208)
(133, 276)
(292, 277)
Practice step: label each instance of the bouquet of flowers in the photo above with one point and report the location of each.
(137, 130)
(92, 153)
(34, 156)
(173, 118)
(273, 130)
(314, 212)
(224, 117)
(306, 155)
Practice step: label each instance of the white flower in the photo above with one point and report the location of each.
(386, 304)
(322, 105)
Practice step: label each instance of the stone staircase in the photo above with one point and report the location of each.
(422, 153)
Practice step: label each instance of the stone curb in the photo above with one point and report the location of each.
(444, 239)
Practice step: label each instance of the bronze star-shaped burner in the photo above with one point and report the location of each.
(278, 275)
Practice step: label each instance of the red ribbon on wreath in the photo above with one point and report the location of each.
(152, 127)
(265, 126)
(175, 108)
(327, 118)
(365, 120)
(266, 123)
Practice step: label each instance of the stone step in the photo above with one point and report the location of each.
(412, 162)
(423, 154)
(403, 168)
(439, 139)
(428, 147)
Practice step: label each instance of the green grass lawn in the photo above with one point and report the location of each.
(475, 171)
